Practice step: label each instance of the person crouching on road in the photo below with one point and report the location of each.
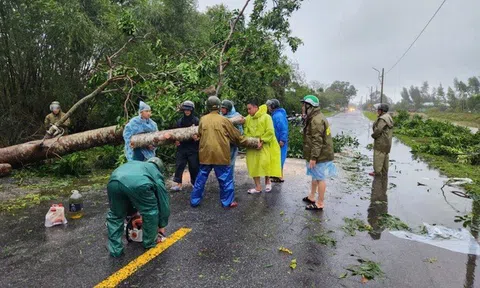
(280, 123)
(264, 161)
(54, 117)
(187, 151)
(228, 110)
(382, 144)
(317, 151)
(216, 133)
(137, 185)
(137, 125)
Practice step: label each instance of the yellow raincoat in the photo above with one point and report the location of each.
(266, 161)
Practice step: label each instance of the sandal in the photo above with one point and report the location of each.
(314, 207)
(268, 188)
(308, 200)
(253, 191)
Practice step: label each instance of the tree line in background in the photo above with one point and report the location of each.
(163, 52)
(463, 97)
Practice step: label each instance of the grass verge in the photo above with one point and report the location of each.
(370, 115)
(467, 119)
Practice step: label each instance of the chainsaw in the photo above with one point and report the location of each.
(133, 230)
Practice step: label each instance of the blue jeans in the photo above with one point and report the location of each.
(225, 181)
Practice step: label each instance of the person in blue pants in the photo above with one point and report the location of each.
(216, 133)
(280, 123)
(228, 110)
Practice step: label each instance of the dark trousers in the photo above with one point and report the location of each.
(183, 158)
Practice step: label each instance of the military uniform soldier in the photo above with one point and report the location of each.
(382, 135)
(54, 117)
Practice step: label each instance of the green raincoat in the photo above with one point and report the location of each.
(266, 161)
(138, 185)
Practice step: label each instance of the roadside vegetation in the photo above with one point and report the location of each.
(461, 118)
(452, 149)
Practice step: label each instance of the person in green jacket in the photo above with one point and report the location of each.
(137, 185)
(382, 144)
(317, 151)
(264, 161)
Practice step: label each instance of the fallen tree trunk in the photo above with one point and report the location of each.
(22, 154)
(5, 169)
(180, 134)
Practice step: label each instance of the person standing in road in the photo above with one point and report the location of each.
(139, 124)
(317, 151)
(382, 144)
(216, 133)
(140, 186)
(187, 151)
(265, 161)
(228, 110)
(280, 123)
(54, 117)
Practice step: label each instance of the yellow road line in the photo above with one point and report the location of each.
(143, 259)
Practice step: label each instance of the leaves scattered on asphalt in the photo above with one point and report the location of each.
(283, 249)
(293, 264)
(324, 239)
(367, 269)
(431, 260)
(390, 222)
(354, 224)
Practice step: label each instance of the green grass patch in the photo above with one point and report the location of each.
(370, 115)
(27, 201)
(468, 119)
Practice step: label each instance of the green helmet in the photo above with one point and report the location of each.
(227, 104)
(54, 105)
(213, 103)
(158, 162)
(312, 100)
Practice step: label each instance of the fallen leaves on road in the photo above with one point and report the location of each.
(431, 260)
(354, 224)
(293, 264)
(367, 269)
(283, 249)
(343, 275)
(324, 239)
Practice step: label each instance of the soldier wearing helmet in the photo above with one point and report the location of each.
(317, 151)
(382, 144)
(216, 133)
(187, 151)
(54, 117)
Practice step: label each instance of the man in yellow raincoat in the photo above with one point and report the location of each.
(265, 161)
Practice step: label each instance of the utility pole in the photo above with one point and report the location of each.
(380, 77)
(381, 89)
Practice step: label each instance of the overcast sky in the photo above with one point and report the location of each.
(344, 39)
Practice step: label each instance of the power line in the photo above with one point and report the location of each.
(421, 32)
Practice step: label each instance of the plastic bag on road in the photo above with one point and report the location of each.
(457, 240)
(55, 216)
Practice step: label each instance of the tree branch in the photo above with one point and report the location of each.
(232, 29)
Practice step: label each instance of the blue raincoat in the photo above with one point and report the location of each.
(280, 122)
(137, 125)
(233, 147)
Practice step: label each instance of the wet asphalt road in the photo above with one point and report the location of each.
(239, 247)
